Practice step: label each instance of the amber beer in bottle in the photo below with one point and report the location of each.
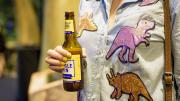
(72, 74)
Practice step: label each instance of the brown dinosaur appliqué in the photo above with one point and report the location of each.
(128, 83)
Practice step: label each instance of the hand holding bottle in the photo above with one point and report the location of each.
(56, 58)
(68, 57)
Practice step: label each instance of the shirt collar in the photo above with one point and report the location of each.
(107, 4)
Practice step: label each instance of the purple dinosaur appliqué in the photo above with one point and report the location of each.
(128, 38)
(148, 2)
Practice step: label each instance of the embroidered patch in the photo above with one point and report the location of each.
(142, 3)
(128, 38)
(86, 23)
(148, 2)
(127, 83)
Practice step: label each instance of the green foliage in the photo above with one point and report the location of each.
(7, 20)
(7, 17)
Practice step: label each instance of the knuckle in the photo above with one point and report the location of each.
(56, 68)
(60, 57)
(46, 59)
(58, 48)
(49, 51)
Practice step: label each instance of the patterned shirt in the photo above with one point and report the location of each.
(126, 60)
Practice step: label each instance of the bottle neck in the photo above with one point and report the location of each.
(70, 36)
(70, 32)
(70, 23)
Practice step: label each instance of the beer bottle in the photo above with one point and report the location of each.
(72, 74)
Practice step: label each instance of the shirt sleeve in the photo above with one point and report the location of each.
(176, 46)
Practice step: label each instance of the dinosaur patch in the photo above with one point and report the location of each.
(148, 2)
(142, 3)
(127, 83)
(128, 38)
(86, 23)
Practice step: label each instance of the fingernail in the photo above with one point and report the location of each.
(69, 55)
(64, 59)
(61, 67)
(62, 63)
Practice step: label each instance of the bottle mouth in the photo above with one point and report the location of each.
(69, 14)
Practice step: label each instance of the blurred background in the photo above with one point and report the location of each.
(28, 28)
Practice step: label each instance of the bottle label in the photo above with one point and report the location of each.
(72, 70)
(69, 26)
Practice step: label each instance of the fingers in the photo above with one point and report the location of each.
(56, 68)
(54, 62)
(63, 52)
(57, 58)
(55, 55)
